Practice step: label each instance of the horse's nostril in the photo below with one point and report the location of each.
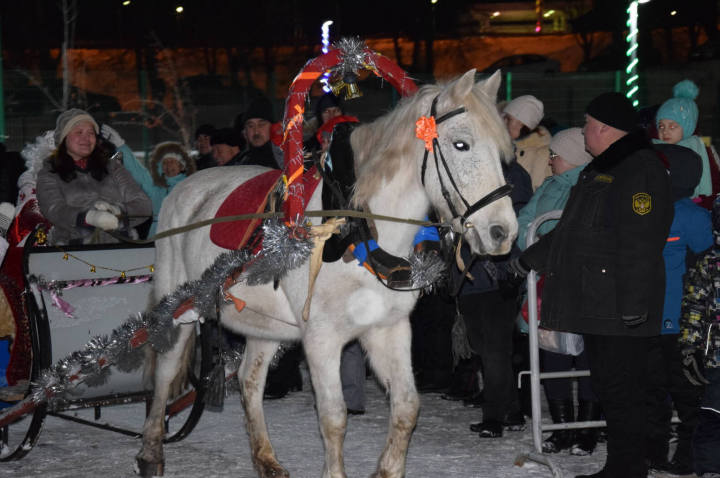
(498, 233)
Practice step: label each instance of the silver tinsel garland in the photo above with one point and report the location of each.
(426, 270)
(284, 248)
(352, 56)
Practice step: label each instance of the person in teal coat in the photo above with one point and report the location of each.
(567, 160)
(170, 163)
(569, 153)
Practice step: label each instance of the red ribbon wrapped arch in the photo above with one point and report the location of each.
(295, 115)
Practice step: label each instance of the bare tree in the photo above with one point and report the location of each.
(69, 12)
(177, 118)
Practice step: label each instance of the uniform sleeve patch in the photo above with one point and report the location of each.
(642, 203)
(605, 178)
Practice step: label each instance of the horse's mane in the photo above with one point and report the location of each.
(383, 146)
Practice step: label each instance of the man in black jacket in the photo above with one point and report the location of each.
(257, 122)
(605, 274)
(226, 146)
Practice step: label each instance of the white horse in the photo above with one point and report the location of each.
(349, 303)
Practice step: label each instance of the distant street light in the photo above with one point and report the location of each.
(126, 3)
(433, 1)
(179, 9)
(673, 12)
(496, 14)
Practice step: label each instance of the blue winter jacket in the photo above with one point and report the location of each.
(149, 182)
(691, 228)
(552, 194)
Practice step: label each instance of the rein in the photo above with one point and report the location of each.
(270, 215)
(498, 193)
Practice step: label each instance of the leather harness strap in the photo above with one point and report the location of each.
(498, 193)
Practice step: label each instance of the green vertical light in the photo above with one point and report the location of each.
(508, 86)
(632, 39)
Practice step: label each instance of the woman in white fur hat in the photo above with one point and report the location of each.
(522, 117)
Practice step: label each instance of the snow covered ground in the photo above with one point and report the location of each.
(442, 445)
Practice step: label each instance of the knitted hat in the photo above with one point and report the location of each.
(570, 144)
(68, 120)
(527, 109)
(681, 108)
(615, 110)
(227, 136)
(206, 129)
(328, 100)
(259, 108)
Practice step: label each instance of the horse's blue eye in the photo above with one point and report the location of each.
(461, 146)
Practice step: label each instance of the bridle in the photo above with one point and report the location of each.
(498, 193)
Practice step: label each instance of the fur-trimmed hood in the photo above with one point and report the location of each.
(161, 150)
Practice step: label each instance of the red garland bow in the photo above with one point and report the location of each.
(426, 130)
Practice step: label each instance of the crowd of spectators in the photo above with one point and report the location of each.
(613, 269)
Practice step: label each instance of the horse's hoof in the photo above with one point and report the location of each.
(147, 469)
(273, 471)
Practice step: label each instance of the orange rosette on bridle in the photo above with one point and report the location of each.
(426, 130)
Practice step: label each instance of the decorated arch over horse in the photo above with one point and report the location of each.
(348, 56)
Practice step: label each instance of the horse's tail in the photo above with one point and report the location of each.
(187, 363)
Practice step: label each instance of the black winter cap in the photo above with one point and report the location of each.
(614, 109)
(206, 129)
(328, 100)
(260, 108)
(227, 136)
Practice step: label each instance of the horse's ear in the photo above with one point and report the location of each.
(492, 85)
(465, 84)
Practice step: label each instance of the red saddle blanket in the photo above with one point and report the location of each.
(251, 197)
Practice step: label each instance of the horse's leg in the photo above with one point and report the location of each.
(150, 461)
(323, 356)
(252, 375)
(389, 352)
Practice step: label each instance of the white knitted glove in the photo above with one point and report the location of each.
(111, 135)
(106, 206)
(102, 219)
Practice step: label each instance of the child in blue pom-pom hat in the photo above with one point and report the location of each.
(676, 121)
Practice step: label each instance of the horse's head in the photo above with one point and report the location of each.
(474, 143)
(466, 164)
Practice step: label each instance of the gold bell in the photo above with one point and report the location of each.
(41, 236)
(348, 81)
(122, 275)
(92, 269)
(65, 256)
(469, 225)
(337, 87)
(152, 268)
(353, 91)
